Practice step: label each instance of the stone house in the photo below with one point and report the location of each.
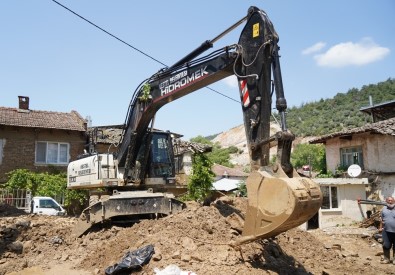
(39, 140)
(372, 148)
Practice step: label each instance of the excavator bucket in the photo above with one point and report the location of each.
(277, 204)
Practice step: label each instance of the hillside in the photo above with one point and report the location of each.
(315, 118)
(340, 112)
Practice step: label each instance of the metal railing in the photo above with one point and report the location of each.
(19, 198)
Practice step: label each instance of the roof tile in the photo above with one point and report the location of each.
(42, 119)
(384, 127)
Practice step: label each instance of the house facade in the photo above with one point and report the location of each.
(38, 140)
(372, 148)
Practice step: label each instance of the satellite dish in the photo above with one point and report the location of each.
(354, 170)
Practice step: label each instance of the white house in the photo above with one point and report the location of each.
(372, 147)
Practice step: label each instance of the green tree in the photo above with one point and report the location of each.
(242, 188)
(201, 179)
(313, 154)
(218, 154)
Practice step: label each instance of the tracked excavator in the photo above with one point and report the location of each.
(138, 174)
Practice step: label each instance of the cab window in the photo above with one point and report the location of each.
(45, 203)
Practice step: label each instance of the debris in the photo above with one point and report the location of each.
(172, 270)
(132, 260)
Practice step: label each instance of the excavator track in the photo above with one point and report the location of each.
(127, 204)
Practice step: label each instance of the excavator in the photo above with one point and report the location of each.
(143, 165)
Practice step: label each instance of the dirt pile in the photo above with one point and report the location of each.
(194, 240)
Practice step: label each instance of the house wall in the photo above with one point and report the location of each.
(349, 210)
(378, 159)
(378, 151)
(384, 185)
(18, 150)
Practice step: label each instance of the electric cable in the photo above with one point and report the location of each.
(131, 46)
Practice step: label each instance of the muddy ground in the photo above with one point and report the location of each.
(194, 240)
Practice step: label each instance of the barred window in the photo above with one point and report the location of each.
(351, 155)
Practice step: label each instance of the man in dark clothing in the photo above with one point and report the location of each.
(387, 226)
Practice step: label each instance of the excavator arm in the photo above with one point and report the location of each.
(252, 60)
(278, 198)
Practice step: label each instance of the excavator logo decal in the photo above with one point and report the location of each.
(245, 93)
(181, 80)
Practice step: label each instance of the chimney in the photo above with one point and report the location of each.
(23, 102)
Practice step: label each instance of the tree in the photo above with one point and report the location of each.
(201, 179)
(309, 154)
(218, 154)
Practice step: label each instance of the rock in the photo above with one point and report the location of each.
(176, 255)
(157, 255)
(28, 245)
(337, 246)
(56, 240)
(16, 247)
(185, 257)
(23, 223)
(196, 257)
(188, 244)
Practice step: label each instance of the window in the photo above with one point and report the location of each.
(351, 155)
(52, 152)
(46, 203)
(161, 159)
(329, 194)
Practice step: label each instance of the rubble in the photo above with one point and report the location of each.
(195, 239)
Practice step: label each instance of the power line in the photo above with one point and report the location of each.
(117, 38)
(134, 48)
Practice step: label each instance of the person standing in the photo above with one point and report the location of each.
(387, 227)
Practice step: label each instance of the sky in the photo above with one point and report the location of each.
(62, 63)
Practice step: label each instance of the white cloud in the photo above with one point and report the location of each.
(315, 48)
(352, 54)
(231, 81)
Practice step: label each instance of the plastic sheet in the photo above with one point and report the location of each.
(172, 270)
(132, 260)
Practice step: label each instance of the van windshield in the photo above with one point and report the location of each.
(47, 203)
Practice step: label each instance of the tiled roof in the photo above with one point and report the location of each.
(384, 127)
(42, 119)
(220, 170)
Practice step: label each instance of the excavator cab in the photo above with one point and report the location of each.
(161, 158)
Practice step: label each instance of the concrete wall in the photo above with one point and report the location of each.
(349, 210)
(384, 185)
(19, 143)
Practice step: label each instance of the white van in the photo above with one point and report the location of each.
(46, 206)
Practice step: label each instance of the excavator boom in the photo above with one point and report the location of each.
(278, 198)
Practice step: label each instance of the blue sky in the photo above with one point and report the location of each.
(63, 63)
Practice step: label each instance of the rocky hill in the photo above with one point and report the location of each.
(236, 137)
